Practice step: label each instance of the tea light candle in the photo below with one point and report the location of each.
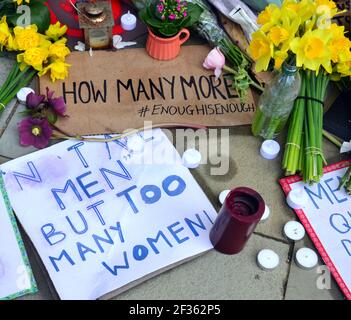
(270, 149)
(128, 21)
(135, 143)
(191, 158)
(306, 258)
(297, 198)
(266, 214)
(294, 231)
(268, 260)
(23, 93)
(223, 195)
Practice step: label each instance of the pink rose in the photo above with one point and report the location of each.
(215, 60)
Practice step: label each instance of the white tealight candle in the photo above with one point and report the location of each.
(294, 231)
(297, 198)
(267, 260)
(306, 258)
(23, 93)
(266, 214)
(191, 158)
(270, 149)
(135, 143)
(128, 21)
(223, 195)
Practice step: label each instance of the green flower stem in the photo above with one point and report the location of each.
(332, 139)
(22, 84)
(12, 85)
(13, 73)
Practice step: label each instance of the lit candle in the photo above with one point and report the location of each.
(306, 258)
(23, 93)
(268, 260)
(128, 21)
(191, 158)
(294, 231)
(270, 149)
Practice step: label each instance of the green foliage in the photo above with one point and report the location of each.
(169, 28)
(40, 14)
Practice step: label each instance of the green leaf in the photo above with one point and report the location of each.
(40, 16)
(52, 117)
(169, 30)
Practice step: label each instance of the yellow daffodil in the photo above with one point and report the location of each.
(339, 45)
(27, 37)
(269, 16)
(19, 2)
(55, 31)
(278, 35)
(344, 69)
(58, 68)
(261, 50)
(279, 57)
(59, 50)
(4, 32)
(11, 44)
(34, 57)
(312, 50)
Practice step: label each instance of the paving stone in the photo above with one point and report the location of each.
(302, 284)
(218, 276)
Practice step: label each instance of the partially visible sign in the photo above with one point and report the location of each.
(101, 216)
(114, 91)
(327, 219)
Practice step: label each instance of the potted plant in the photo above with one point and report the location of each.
(167, 21)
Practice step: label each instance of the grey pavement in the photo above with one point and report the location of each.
(212, 275)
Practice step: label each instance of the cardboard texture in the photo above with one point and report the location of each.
(114, 91)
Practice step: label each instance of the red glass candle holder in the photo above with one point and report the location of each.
(242, 210)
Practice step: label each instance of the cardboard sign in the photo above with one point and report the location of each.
(327, 219)
(16, 277)
(102, 217)
(114, 91)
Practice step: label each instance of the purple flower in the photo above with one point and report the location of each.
(57, 104)
(34, 132)
(33, 100)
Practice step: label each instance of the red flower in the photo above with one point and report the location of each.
(34, 132)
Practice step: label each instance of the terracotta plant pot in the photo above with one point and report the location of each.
(166, 48)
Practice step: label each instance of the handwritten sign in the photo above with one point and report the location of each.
(120, 90)
(327, 219)
(102, 216)
(16, 278)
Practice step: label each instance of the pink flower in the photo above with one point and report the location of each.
(215, 60)
(185, 14)
(34, 132)
(172, 16)
(160, 7)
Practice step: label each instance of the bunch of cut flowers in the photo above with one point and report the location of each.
(303, 31)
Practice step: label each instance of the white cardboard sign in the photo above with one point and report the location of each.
(102, 216)
(16, 278)
(327, 219)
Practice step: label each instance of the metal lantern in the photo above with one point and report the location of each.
(96, 18)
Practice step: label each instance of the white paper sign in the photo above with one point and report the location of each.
(327, 219)
(102, 216)
(16, 278)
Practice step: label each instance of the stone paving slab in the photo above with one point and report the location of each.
(218, 276)
(302, 284)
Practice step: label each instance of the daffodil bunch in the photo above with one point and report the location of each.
(37, 54)
(302, 32)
